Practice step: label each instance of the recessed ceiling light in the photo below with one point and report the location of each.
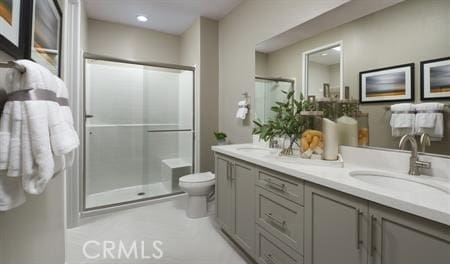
(141, 18)
(324, 54)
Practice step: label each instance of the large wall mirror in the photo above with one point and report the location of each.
(371, 38)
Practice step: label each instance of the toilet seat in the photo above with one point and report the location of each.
(198, 178)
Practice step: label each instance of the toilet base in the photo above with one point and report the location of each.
(197, 207)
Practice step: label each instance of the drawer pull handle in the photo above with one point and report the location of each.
(373, 247)
(279, 186)
(279, 222)
(359, 214)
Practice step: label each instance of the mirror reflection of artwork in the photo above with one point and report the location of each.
(46, 34)
(11, 26)
(435, 78)
(6, 10)
(387, 84)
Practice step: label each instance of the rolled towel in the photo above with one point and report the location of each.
(430, 119)
(63, 135)
(402, 119)
(27, 156)
(38, 124)
(243, 110)
(14, 162)
(5, 135)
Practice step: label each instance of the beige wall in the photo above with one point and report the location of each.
(261, 64)
(199, 46)
(411, 31)
(126, 42)
(35, 231)
(245, 26)
(209, 90)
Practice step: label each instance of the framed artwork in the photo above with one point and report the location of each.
(46, 31)
(14, 26)
(391, 84)
(435, 79)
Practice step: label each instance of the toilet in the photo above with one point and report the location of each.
(198, 186)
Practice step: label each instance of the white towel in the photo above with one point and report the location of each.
(429, 120)
(5, 135)
(11, 192)
(402, 119)
(243, 110)
(35, 136)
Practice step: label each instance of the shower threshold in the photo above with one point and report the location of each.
(127, 194)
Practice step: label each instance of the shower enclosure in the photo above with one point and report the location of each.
(139, 130)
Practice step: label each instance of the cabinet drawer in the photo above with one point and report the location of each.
(270, 250)
(282, 218)
(287, 187)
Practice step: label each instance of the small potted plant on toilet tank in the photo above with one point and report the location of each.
(221, 138)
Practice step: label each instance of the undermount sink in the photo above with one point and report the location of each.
(256, 150)
(402, 183)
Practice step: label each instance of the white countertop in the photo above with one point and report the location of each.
(430, 207)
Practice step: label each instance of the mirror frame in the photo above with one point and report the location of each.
(305, 56)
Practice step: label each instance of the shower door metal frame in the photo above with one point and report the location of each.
(91, 56)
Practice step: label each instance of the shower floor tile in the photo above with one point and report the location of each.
(127, 194)
(184, 240)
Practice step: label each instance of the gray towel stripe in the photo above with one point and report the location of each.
(37, 95)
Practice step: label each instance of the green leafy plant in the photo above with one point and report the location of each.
(286, 122)
(220, 135)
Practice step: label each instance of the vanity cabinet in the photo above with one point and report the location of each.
(280, 219)
(400, 238)
(343, 229)
(236, 200)
(335, 227)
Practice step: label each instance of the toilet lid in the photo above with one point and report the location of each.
(198, 177)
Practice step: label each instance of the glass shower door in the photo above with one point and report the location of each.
(139, 136)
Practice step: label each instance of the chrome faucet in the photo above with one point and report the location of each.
(425, 141)
(414, 163)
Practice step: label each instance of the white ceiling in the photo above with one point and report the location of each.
(170, 16)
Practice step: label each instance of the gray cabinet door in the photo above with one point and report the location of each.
(400, 238)
(243, 176)
(224, 194)
(335, 227)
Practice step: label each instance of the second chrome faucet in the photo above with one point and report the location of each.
(414, 163)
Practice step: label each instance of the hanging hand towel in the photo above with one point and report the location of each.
(402, 119)
(430, 120)
(243, 110)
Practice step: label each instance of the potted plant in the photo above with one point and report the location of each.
(221, 138)
(287, 122)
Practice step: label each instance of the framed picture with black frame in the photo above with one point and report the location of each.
(45, 41)
(390, 84)
(15, 26)
(435, 79)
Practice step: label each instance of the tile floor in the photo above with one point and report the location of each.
(184, 240)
